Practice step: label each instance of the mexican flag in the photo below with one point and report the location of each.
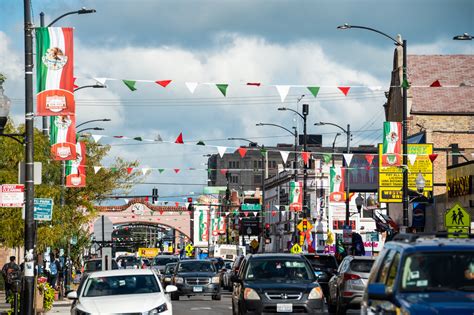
(392, 143)
(54, 71)
(336, 185)
(296, 196)
(76, 169)
(62, 137)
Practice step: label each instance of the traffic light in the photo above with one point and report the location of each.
(154, 195)
(190, 201)
(267, 230)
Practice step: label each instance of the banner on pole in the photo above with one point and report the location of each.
(296, 196)
(76, 169)
(337, 179)
(392, 143)
(63, 137)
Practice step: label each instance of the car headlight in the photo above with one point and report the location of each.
(216, 280)
(178, 280)
(160, 309)
(315, 294)
(167, 279)
(251, 294)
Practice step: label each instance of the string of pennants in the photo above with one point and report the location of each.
(282, 90)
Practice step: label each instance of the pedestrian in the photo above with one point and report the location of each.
(10, 273)
(460, 216)
(54, 269)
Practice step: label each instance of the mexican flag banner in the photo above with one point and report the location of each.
(76, 169)
(54, 71)
(392, 143)
(336, 190)
(296, 196)
(62, 136)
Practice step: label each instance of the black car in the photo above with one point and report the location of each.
(325, 267)
(167, 275)
(95, 264)
(196, 277)
(161, 261)
(274, 283)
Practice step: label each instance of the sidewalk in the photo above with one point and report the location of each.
(59, 307)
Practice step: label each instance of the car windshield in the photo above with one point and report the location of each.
(279, 270)
(318, 261)
(196, 266)
(118, 285)
(161, 261)
(444, 271)
(359, 265)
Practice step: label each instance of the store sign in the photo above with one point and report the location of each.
(251, 207)
(391, 178)
(12, 195)
(460, 186)
(148, 252)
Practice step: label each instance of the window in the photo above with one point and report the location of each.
(234, 164)
(255, 164)
(385, 267)
(392, 273)
(257, 179)
(118, 285)
(234, 179)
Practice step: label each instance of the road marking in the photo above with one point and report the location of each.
(200, 308)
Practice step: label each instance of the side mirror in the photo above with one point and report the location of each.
(72, 295)
(171, 288)
(235, 278)
(377, 291)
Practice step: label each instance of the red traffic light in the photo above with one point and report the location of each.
(267, 225)
(190, 199)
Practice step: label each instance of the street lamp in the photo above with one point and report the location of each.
(334, 147)
(89, 121)
(464, 36)
(94, 128)
(305, 166)
(348, 149)
(404, 87)
(81, 11)
(294, 134)
(420, 183)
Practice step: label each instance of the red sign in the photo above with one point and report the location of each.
(12, 195)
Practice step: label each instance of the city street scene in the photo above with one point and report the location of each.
(236, 157)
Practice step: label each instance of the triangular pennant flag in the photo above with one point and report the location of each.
(305, 156)
(223, 171)
(176, 170)
(119, 137)
(130, 84)
(163, 83)
(255, 213)
(113, 169)
(158, 138)
(96, 138)
(274, 213)
(101, 81)
(283, 91)
(96, 169)
(246, 213)
(221, 151)
(222, 88)
(412, 158)
(126, 201)
(369, 158)
(145, 170)
(284, 156)
(435, 84)
(433, 157)
(186, 205)
(314, 90)
(176, 204)
(405, 84)
(344, 89)
(179, 139)
(348, 158)
(191, 86)
(254, 83)
(129, 170)
(242, 152)
(263, 151)
(200, 142)
(138, 138)
(161, 170)
(327, 157)
(74, 83)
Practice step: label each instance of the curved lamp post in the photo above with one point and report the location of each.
(404, 86)
(464, 36)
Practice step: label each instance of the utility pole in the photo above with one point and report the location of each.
(348, 149)
(305, 165)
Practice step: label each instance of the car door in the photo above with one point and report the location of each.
(334, 282)
(237, 286)
(381, 277)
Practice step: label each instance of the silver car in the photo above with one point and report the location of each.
(346, 287)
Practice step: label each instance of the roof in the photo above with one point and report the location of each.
(275, 255)
(121, 272)
(435, 244)
(455, 73)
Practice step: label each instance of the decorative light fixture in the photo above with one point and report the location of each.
(420, 183)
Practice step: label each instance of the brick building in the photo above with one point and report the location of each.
(442, 115)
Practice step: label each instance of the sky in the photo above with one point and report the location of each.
(231, 42)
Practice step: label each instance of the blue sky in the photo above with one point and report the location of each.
(278, 42)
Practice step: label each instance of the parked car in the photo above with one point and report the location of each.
(167, 275)
(196, 277)
(225, 275)
(128, 262)
(160, 262)
(274, 283)
(121, 292)
(324, 266)
(95, 264)
(417, 274)
(347, 285)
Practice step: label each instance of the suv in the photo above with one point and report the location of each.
(416, 274)
(324, 266)
(160, 262)
(271, 283)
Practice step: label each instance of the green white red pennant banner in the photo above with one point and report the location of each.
(392, 143)
(336, 186)
(296, 196)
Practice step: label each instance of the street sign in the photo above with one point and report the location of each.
(391, 178)
(251, 207)
(254, 244)
(12, 195)
(304, 225)
(189, 248)
(295, 249)
(43, 209)
(148, 252)
(457, 220)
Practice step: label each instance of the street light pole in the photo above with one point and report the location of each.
(334, 147)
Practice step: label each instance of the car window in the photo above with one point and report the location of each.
(169, 269)
(161, 261)
(359, 265)
(385, 266)
(373, 275)
(319, 261)
(343, 266)
(119, 285)
(392, 273)
(196, 266)
(278, 270)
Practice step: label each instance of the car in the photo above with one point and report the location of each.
(324, 266)
(274, 283)
(347, 285)
(123, 291)
(225, 275)
(160, 262)
(167, 275)
(422, 274)
(128, 262)
(196, 277)
(95, 264)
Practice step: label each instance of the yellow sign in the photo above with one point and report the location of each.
(295, 249)
(254, 244)
(189, 248)
(148, 252)
(304, 225)
(391, 177)
(457, 220)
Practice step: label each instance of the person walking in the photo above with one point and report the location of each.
(10, 273)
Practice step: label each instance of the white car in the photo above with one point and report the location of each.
(122, 291)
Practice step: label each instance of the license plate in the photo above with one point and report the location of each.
(197, 289)
(284, 308)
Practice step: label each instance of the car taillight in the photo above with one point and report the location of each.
(350, 276)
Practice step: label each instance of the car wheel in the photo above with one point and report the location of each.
(174, 296)
(216, 297)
